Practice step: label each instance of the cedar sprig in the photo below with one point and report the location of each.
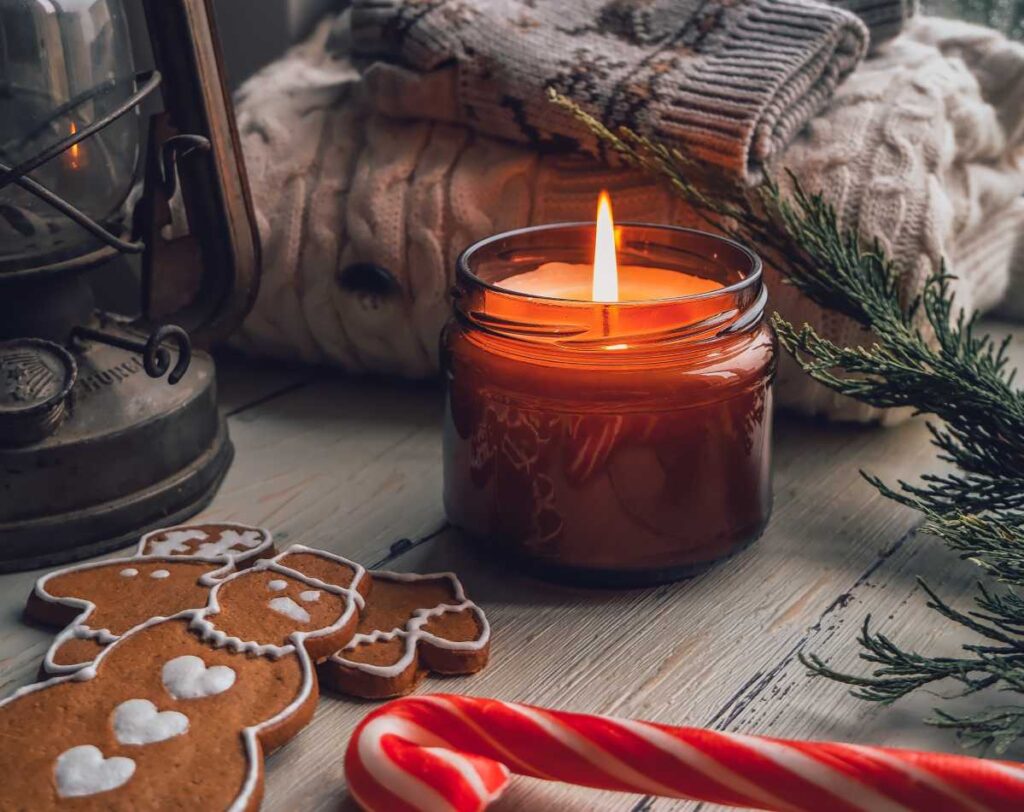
(923, 354)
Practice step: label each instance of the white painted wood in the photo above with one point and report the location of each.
(243, 382)
(324, 464)
(678, 653)
(354, 465)
(342, 463)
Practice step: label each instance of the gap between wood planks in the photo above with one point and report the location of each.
(403, 546)
(759, 681)
(729, 711)
(273, 395)
(736, 704)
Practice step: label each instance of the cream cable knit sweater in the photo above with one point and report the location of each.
(917, 148)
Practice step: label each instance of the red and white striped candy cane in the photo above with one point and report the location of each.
(442, 752)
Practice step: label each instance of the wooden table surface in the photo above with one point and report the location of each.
(353, 466)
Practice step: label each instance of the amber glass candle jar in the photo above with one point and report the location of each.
(621, 443)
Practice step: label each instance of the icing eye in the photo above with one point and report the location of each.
(277, 585)
(310, 595)
(159, 574)
(129, 572)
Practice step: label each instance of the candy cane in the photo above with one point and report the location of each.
(455, 753)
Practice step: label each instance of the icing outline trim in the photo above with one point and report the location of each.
(209, 633)
(231, 556)
(250, 735)
(412, 632)
(79, 628)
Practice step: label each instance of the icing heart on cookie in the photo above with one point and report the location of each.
(137, 721)
(83, 771)
(191, 697)
(188, 677)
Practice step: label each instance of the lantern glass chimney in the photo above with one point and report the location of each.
(64, 64)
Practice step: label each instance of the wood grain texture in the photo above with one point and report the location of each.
(681, 653)
(342, 464)
(243, 382)
(354, 467)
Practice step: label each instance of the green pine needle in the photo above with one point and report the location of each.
(925, 355)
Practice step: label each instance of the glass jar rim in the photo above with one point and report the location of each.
(750, 279)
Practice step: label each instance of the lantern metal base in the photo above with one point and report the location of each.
(132, 455)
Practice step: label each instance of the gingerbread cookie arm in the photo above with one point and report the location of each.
(394, 650)
(164, 701)
(174, 584)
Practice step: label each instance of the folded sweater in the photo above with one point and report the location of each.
(917, 148)
(726, 82)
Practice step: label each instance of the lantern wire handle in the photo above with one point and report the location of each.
(156, 359)
(18, 174)
(9, 175)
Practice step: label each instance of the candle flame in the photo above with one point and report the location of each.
(73, 152)
(606, 271)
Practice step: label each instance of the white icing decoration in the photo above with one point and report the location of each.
(83, 771)
(160, 574)
(277, 585)
(290, 609)
(129, 572)
(78, 628)
(137, 721)
(413, 632)
(188, 677)
(228, 541)
(175, 541)
(310, 595)
(102, 636)
(198, 621)
(209, 633)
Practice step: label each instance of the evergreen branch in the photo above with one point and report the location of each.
(923, 354)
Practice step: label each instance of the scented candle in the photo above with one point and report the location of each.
(609, 434)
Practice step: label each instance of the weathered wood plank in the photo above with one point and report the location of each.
(243, 381)
(676, 653)
(324, 463)
(792, 704)
(686, 653)
(349, 465)
(354, 465)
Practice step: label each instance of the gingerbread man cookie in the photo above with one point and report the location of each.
(174, 569)
(413, 625)
(178, 711)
